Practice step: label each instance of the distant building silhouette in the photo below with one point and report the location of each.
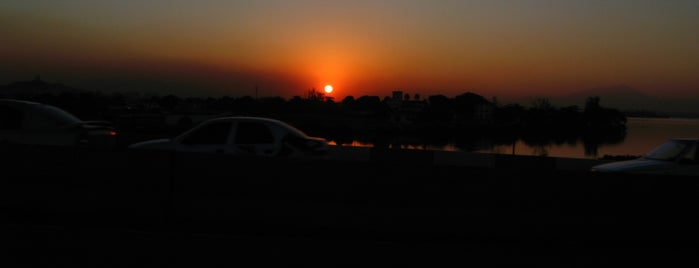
(404, 110)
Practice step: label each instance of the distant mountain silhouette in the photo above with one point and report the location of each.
(35, 87)
(629, 100)
(621, 97)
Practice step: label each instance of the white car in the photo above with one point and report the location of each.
(241, 136)
(37, 124)
(674, 157)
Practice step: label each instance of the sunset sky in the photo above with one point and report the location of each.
(362, 47)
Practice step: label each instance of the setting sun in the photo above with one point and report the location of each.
(328, 89)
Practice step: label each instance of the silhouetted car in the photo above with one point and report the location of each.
(242, 136)
(37, 124)
(674, 157)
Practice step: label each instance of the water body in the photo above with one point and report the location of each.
(643, 135)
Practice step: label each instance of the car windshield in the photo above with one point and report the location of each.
(668, 151)
(61, 116)
(295, 131)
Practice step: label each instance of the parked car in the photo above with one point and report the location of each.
(37, 124)
(241, 135)
(674, 157)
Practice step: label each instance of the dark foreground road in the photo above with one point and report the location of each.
(149, 209)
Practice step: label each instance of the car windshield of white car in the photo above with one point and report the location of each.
(61, 117)
(215, 133)
(294, 131)
(668, 151)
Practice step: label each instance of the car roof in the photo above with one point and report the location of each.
(22, 104)
(19, 102)
(252, 118)
(44, 108)
(259, 119)
(244, 118)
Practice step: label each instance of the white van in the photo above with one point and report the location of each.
(32, 123)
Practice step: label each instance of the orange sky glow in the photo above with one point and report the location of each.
(283, 48)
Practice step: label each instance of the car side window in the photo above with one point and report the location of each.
(210, 134)
(253, 133)
(10, 118)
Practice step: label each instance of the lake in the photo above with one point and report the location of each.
(643, 135)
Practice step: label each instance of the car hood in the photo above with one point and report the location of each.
(153, 144)
(641, 164)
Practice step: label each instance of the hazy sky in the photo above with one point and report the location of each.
(284, 47)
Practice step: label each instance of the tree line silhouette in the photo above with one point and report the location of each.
(466, 120)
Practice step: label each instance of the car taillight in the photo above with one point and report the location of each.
(112, 133)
